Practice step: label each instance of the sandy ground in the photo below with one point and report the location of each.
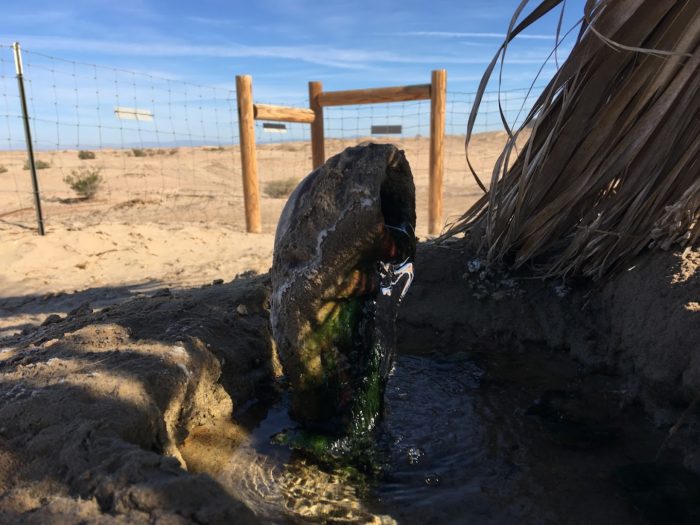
(110, 393)
(111, 262)
(102, 411)
(172, 218)
(103, 405)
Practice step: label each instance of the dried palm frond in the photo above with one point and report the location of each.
(612, 164)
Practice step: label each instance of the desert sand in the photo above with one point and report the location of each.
(170, 218)
(136, 413)
(127, 411)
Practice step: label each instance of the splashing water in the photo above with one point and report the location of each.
(394, 268)
(282, 485)
(395, 274)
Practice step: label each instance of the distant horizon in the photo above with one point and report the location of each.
(180, 144)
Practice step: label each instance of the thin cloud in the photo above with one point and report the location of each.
(215, 22)
(340, 58)
(319, 55)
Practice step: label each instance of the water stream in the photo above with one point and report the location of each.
(480, 438)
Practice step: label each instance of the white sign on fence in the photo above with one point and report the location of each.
(133, 114)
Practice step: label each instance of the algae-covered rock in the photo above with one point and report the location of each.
(343, 259)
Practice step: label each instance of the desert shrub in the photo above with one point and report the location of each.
(281, 188)
(40, 164)
(173, 151)
(84, 181)
(86, 155)
(138, 152)
(215, 148)
(3, 169)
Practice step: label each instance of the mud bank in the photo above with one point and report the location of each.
(99, 410)
(95, 407)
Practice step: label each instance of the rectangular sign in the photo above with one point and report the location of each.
(133, 114)
(386, 130)
(274, 127)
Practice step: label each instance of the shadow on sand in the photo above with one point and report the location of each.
(95, 404)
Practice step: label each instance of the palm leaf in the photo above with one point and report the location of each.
(612, 163)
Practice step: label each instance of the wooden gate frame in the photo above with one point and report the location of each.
(249, 112)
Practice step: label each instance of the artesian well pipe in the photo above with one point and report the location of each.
(343, 260)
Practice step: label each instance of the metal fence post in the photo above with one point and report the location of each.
(28, 135)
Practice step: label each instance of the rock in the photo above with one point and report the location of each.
(242, 309)
(83, 309)
(51, 319)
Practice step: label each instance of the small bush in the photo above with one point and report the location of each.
(40, 164)
(3, 169)
(278, 189)
(215, 148)
(138, 152)
(86, 155)
(84, 181)
(173, 151)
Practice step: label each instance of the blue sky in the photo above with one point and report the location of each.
(285, 43)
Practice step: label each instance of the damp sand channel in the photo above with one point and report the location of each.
(479, 437)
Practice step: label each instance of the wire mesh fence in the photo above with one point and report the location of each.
(165, 146)
(164, 150)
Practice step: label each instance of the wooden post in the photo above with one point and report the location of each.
(438, 91)
(375, 95)
(318, 153)
(249, 161)
(283, 114)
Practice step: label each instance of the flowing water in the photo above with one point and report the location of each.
(489, 437)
